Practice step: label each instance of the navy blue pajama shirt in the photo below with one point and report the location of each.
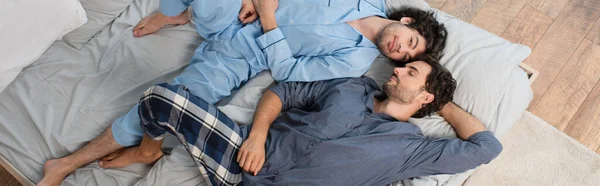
(328, 134)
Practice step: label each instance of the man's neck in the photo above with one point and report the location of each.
(397, 110)
(370, 26)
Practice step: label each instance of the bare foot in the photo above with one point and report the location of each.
(55, 172)
(128, 156)
(152, 23)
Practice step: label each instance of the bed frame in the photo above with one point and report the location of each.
(531, 73)
(15, 173)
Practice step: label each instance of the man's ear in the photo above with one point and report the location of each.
(426, 97)
(407, 20)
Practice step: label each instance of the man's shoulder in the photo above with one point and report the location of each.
(363, 80)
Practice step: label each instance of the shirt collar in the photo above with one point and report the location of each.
(373, 91)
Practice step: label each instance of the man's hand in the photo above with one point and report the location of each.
(264, 7)
(251, 155)
(266, 10)
(248, 12)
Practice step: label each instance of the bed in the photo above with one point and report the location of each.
(97, 72)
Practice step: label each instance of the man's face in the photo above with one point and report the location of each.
(399, 42)
(406, 83)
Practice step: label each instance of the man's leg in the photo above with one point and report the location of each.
(148, 152)
(211, 138)
(214, 20)
(152, 23)
(55, 170)
(210, 75)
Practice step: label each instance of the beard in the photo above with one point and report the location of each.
(399, 94)
(379, 41)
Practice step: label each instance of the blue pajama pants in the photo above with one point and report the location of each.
(216, 68)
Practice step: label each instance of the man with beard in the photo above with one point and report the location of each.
(336, 132)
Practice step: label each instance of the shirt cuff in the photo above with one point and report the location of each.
(489, 146)
(172, 7)
(269, 38)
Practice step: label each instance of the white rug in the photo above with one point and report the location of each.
(536, 153)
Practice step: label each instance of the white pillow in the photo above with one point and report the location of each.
(490, 84)
(29, 27)
(482, 63)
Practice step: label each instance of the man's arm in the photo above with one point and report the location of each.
(285, 66)
(251, 156)
(281, 96)
(343, 63)
(463, 123)
(476, 146)
(266, 11)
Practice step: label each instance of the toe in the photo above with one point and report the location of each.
(144, 31)
(137, 33)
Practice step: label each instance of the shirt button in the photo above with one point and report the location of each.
(328, 137)
(311, 142)
(276, 172)
(327, 21)
(348, 125)
(294, 158)
(291, 21)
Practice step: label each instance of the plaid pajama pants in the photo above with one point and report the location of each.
(210, 137)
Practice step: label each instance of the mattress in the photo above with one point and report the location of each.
(79, 87)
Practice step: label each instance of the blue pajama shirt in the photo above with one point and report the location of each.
(312, 42)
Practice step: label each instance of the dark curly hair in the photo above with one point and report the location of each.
(434, 32)
(439, 83)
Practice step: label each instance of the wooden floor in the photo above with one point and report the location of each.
(564, 36)
(6, 179)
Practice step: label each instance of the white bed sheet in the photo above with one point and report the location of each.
(69, 95)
